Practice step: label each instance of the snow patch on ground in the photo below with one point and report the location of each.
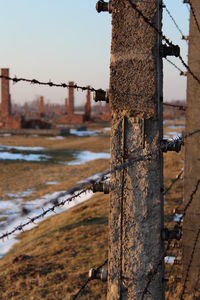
(24, 157)
(85, 156)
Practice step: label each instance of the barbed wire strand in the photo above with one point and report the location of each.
(178, 177)
(48, 83)
(87, 281)
(190, 200)
(154, 271)
(173, 20)
(131, 160)
(147, 21)
(189, 265)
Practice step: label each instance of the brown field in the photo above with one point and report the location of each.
(52, 260)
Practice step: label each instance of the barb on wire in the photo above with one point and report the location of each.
(152, 273)
(173, 20)
(194, 16)
(88, 280)
(48, 83)
(189, 134)
(180, 107)
(44, 213)
(168, 42)
(77, 191)
(178, 176)
(189, 264)
(190, 200)
(175, 66)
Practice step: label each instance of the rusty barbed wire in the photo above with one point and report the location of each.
(190, 200)
(173, 20)
(178, 176)
(88, 280)
(44, 213)
(189, 265)
(160, 33)
(176, 67)
(48, 83)
(80, 189)
(189, 134)
(180, 107)
(154, 271)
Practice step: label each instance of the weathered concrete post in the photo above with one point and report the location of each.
(5, 95)
(136, 202)
(191, 222)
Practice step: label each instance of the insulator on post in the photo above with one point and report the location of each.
(168, 145)
(101, 95)
(102, 6)
(173, 50)
(100, 274)
(101, 187)
(174, 234)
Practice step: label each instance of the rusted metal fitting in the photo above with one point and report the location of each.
(185, 37)
(173, 50)
(102, 6)
(174, 145)
(98, 274)
(174, 234)
(101, 95)
(101, 187)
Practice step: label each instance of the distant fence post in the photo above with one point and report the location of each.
(191, 221)
(136, 201)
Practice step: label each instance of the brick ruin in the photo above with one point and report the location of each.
(11, 120)
(70, 117)
(88, 107)
(32, 118)
(7, 119)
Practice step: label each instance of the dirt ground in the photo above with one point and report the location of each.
(52, 260)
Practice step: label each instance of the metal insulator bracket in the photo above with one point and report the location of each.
(174, 234)
(174, 145)
(169, 51)
(102, 6)
(100, 274)
(101, 187)
(186, 1)
(101, 95)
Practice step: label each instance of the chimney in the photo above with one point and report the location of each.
(5, 95)
(70, 107)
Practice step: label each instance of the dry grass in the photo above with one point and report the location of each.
(52, 260)
(20, 176)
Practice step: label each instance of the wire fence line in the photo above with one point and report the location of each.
(48, 83)
(173, 20)
(88, 280)
(79, 190)
(189, 265)
(164, 38)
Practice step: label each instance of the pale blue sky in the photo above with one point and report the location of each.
(66, 40)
